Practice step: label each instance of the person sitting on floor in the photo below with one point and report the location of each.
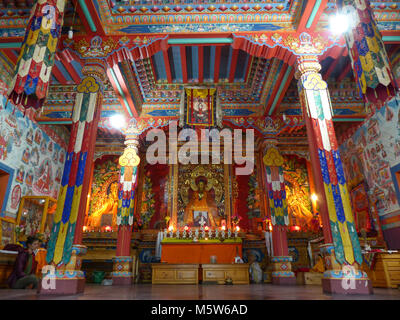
(24, 271)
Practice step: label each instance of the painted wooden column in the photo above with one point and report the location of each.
(343, 256)
(64, 248)
(33, 68)
(276, 197)
(368, 56)
(129, 162)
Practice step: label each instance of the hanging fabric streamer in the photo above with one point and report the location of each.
(367, 52)
(33, 68)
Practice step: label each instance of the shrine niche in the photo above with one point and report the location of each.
(153, 194)
(104, 196)
(202, 199)
(298, 195)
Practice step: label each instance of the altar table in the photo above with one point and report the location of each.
(181, 251)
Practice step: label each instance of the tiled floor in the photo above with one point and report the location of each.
(202, 292)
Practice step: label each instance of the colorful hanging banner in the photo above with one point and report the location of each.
(129, 162)
(33, 68)
(369, 59)
(273, 162)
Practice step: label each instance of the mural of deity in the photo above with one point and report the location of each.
(38, 136)
(29, 136)
(200, 111)
(43, 147)
(298, 193)
(34, 157)
(15, 197)
(6, 143)
(44, 181)
(62, 156)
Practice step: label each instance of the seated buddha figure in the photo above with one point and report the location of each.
(201, 208)
(109, 205)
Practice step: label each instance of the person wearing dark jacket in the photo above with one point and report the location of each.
(23, 274)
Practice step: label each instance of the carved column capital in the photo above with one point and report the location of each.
(307, 64)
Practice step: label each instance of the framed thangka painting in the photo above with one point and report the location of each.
(200, 108)
(7, 232)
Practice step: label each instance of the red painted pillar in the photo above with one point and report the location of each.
(124, 241)
(64, 250)
(279, 241)
(343, 255)
(129, 161)
(276, 198)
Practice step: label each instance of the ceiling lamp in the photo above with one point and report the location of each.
(339, 23)
(117, 121)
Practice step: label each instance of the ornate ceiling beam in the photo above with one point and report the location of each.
(66, 59)
(277, 85)
(118, 91)
(306, 15)
(58, 75)
(10, 55)
(283, 89)
(167, 65)
(125, 90)
(390, 36)
(89, 27)
(316, 13)
(89, 17)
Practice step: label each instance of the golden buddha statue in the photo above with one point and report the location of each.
(201, 209)
(109, 204)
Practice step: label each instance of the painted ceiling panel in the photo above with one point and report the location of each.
(211, 65)
(158, 62)
(176, 63)
(240, 71)
(195, 64)
(206, 67)
(78, 68)
(225, 57)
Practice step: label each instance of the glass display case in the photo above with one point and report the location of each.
(35, 217)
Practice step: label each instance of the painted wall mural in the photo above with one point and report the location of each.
(36, 158)
(154, 196)
(298, 194)
(373, 154)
